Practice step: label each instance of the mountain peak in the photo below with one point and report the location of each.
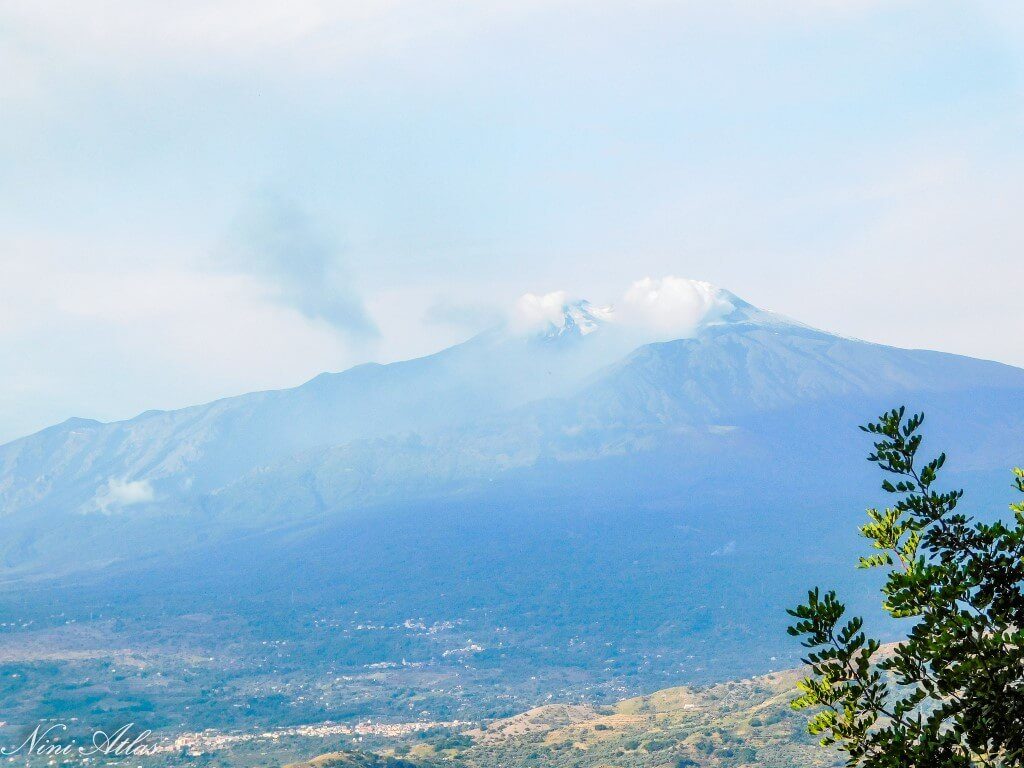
(555, 315)
(579, 318)
(671, 307)
(653, 309)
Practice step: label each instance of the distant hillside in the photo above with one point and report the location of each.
(747, 723)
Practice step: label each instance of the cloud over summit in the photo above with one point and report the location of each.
(657, 308)
(673, 305)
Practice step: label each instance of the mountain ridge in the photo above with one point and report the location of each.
(452, 421)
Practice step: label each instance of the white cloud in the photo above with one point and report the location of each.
(535, 312)
(119, 493)
(275, 40)
(269, 35)
(334, 29)
(672, 306)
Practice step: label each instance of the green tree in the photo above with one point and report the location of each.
(951, 693)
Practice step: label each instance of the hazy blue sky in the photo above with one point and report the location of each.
(200, 199)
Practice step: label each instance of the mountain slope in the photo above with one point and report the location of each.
(578, 512)
(712, 397)
(454, 421)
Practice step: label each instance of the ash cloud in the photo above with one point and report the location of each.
(278, 243)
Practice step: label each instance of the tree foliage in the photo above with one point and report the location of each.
(951, 693)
